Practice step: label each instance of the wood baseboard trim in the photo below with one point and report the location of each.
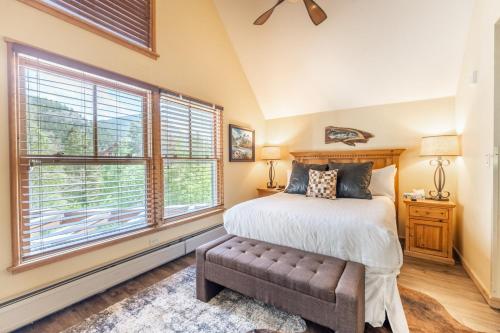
(493, 302)
(442, 260)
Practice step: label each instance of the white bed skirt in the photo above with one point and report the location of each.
(381, 296)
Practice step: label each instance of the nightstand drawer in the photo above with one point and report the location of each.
(430, 212)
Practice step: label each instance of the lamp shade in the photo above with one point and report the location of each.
(271, 153)
(441, 145)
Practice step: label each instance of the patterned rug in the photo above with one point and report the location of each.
(171, 306)
(426, 315)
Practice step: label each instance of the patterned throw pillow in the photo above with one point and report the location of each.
(322, 184)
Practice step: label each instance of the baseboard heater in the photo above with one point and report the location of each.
(30, 307)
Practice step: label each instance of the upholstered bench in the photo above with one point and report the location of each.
(322, 289)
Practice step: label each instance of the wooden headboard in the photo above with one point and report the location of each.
(380, 158)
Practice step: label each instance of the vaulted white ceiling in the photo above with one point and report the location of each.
(368, 52)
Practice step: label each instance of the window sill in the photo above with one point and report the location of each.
(187, 218)
(172, 223)
(45, 260)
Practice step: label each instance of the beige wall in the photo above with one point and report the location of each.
(394, 126)
(196, 58)
(475, 120)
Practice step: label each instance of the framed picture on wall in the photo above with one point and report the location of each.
(241, 144)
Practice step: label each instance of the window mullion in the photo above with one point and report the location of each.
(158, 188)
(190, 132)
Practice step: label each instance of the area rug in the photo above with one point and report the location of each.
(426, 315)
(171, 306)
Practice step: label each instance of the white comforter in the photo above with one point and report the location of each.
(351, 229)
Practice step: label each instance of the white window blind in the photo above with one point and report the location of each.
(84, 157)
(128, 19)
(192, 155)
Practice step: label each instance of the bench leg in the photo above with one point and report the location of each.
(205, 289)
(350, 295)
(350, 320)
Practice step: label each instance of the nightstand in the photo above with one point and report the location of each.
(429, 230)
(264, 191)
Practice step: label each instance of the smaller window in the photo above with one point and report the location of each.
(130, 22)
(192, 156)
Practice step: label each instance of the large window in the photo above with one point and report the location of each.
(192, 155)
(84, 157)
(130, 22)
(97, 156)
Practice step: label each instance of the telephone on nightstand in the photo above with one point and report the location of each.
(415, 195)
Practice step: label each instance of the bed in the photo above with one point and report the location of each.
(363, 231)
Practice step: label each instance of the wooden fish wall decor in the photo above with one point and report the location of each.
(349, 136)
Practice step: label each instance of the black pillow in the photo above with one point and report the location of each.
(353, 179)
(299, 179)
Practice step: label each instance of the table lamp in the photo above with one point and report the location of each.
(271, 154)
(440, 146)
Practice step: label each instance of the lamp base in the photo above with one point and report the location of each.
(272, 175)
(437, 198)
(439, 181)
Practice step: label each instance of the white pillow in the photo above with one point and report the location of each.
(288, 175)
(382, 182)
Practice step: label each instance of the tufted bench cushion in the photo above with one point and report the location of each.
(308, 273)
(327, 290)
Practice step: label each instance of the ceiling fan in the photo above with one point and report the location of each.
(316, 14)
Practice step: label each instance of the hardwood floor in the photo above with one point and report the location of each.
(80, 311)
(450, 285)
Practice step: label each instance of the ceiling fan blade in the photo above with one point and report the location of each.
(316, 14)
(264, 17)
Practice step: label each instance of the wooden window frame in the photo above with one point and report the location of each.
(155, 171)
(218, 158)
(96, 29)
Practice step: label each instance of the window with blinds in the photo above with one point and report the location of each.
(131, 21)
(83, 154)
(192, 155)
(97, 157)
